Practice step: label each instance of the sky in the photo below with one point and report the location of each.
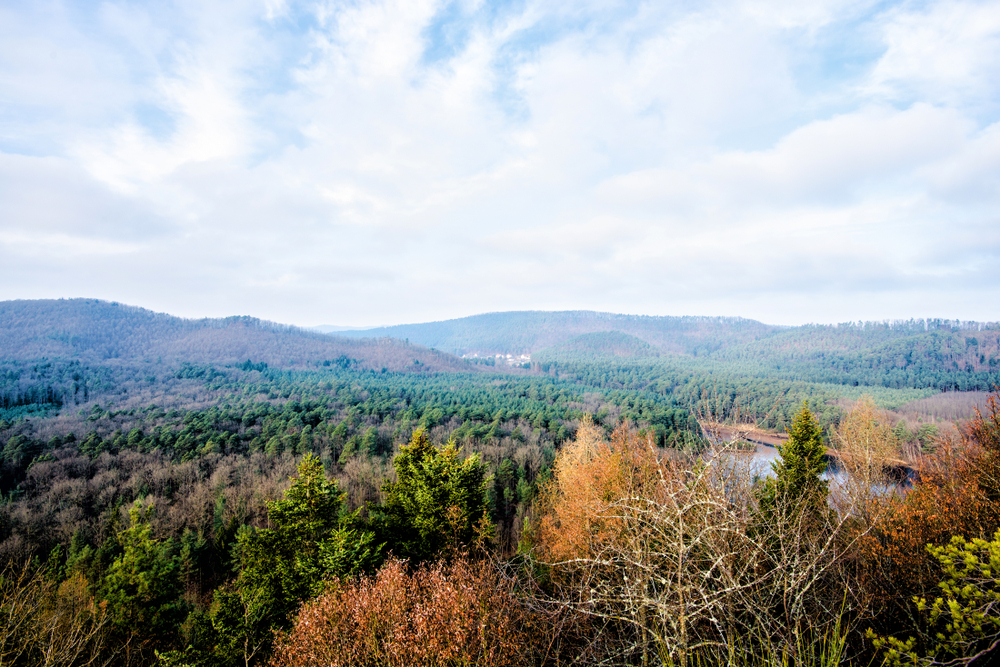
(368, 163)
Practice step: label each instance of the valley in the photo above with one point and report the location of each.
(109, 412)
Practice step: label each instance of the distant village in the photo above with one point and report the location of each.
(509, 359)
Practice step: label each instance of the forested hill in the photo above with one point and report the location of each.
(939, 354)
(529, 331)
(91, 330)
(600, 346)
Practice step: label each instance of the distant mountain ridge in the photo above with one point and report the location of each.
(939, 353)
(95, 330)
(944, 354)
(520, 332)
(333, 328)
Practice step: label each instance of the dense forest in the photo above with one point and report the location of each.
(939, 354)
(237, 492)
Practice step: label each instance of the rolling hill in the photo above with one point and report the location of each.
(98, 331)
(529, 331)
(601, 345)
(940, 354)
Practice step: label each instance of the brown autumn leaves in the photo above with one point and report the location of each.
(638, 555)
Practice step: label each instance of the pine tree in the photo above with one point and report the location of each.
(437, 502)
(798, 471)
(310, 543)
(142, 586)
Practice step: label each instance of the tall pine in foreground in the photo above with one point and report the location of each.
(437, 503)
(797, 481)
(311, 543)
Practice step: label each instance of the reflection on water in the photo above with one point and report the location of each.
(759, 462)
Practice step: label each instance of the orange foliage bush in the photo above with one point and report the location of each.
(958, 493)
(982, 435)
(893, 561)
(462, 613)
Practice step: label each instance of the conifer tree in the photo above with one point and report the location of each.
(142, 587)
(798, 470)
(438, 500)
(311, 542)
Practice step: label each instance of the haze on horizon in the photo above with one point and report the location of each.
(377, 163)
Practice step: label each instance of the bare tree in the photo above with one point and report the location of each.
(867, 449)
(727, 423)
(48, 623)
(18, 601)
(676, 556)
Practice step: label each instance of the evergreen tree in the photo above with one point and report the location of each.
(797, 481)
(280, 567)
(142, 586)
(438, 500)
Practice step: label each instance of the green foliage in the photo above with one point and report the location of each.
(309, 544)
(437, 502)
(330, 407)
(965, 618)
(797, 471)
(142, 586)
(937, 354)
(245, 610)
(718, 389)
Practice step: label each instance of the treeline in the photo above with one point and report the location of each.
(718, 391)
(532, 331)
(942, 361)
(632, 555)
(939, 354)
(943, 357)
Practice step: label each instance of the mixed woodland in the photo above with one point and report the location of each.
(236, 492)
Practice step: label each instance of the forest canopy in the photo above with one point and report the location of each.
(182, 492)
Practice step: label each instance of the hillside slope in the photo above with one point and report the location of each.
(940, 354)
(529, 331)
(918, 353)
(601, 346)
(95, 331)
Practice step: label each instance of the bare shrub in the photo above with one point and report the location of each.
(47, 623)
(676, 558)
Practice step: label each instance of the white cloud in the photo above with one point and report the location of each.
(948, 53)
(312, 162)
(55, 198)
(831, 160)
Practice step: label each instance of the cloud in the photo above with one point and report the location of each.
(944, 53)
(382, 161)
(829, 160)
(55, 198)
